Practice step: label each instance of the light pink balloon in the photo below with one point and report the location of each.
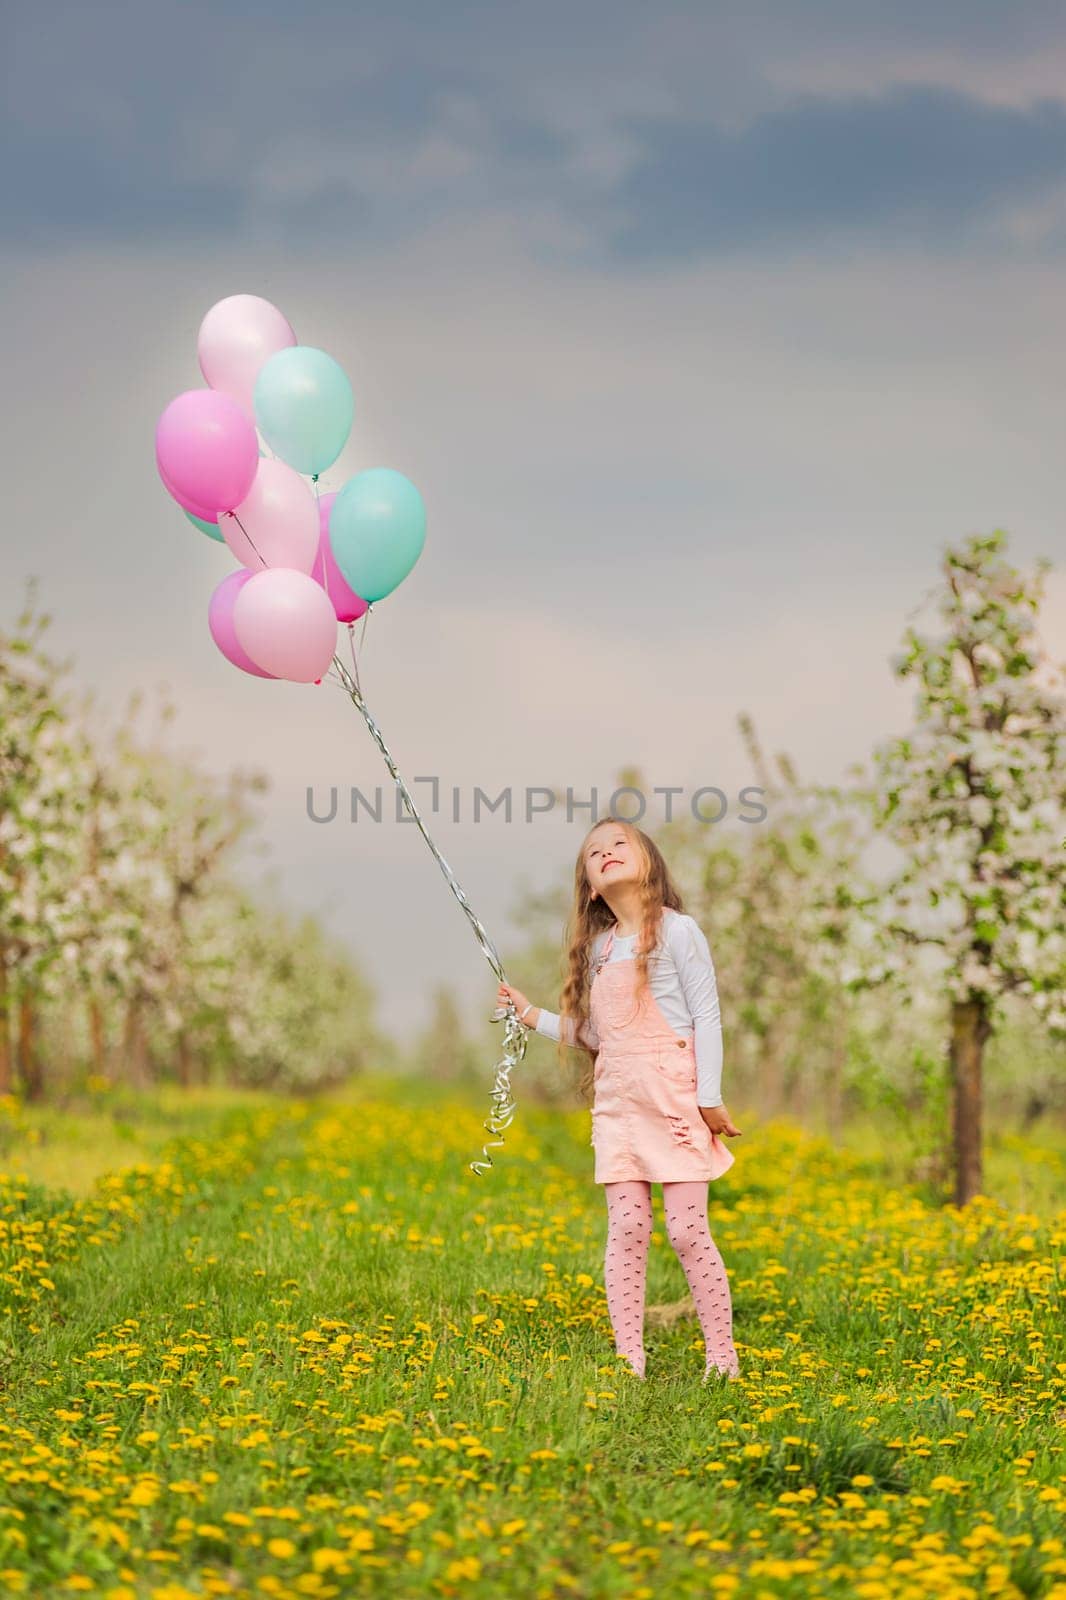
(206, 450)
(346, 603)
(276, 524)
(220, 621)
(285, 622)
(236, 337)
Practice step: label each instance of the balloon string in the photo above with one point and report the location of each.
(355, 663)
(514, 1033)
(351, 645)
(244, 530)
(325, 563)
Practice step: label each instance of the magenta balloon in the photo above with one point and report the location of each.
(276, 524)
(284, 621)
(346, 603)
(186, 504)
(220, 621)
(236, 337)
(206, 450)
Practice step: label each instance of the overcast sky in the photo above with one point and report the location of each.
(701, 329)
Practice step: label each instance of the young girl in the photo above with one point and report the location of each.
(641, 998)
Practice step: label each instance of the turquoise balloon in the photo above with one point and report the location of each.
(212, 529)
(377, 528)
(304, 407)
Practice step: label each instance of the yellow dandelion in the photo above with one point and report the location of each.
(327, 1559)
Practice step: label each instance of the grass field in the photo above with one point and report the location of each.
(299, 1348)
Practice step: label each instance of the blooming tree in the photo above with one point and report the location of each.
(974, 796)
(118, 908)
(776, 899)
(294, 1014)
(179, 827)
(42, 790)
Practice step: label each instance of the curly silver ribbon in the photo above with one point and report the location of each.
(514, 1034)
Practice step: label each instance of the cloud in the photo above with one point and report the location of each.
(123, 122)
(911, 164)
(599, 134)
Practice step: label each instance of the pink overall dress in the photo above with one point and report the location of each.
(645, 1118)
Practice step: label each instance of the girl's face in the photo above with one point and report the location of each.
(610, 857)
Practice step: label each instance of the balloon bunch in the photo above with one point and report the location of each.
(307, 561)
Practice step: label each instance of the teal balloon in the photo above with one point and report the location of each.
(377, 528)
(212, 529)
(304, 407)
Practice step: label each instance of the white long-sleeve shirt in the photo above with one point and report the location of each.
(682, 979)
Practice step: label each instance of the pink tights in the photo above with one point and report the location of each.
(629, 1224)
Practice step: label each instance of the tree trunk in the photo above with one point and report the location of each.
(834, 1084)
(29, 1059)
(5, 1024)
(96, 1035)
(970, 1029)
(769, 1073)
(135, 1044)
(184, 1059)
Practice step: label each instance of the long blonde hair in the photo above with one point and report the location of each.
(589, 916)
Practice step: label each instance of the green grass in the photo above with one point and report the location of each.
(299, 1348)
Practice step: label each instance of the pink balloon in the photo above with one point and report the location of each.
(346, 603)
(220, 621)
(236, 337)
(284, 620)
(276, 524)
(186, 504)
(207, 451)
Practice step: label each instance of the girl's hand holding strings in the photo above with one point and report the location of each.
(507, 992)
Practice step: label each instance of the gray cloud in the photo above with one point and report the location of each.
(916, 164)
(597, 130)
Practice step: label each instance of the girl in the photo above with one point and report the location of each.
(641, 998)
